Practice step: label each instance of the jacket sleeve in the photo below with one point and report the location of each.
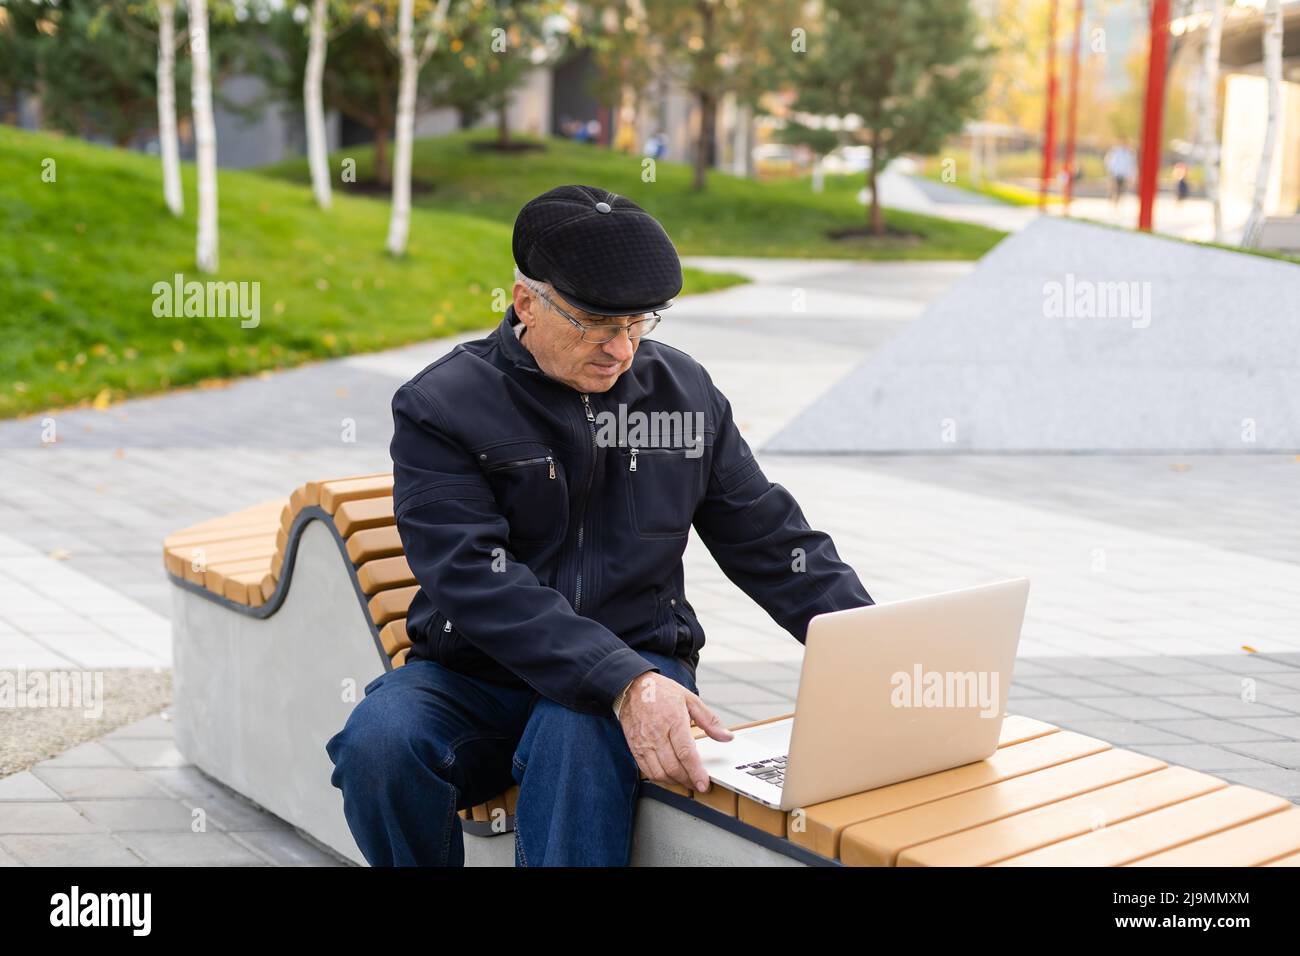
(452, 529)
(757, 533)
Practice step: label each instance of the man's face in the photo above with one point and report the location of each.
(559, 349)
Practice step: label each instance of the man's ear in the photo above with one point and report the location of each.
(525, 304)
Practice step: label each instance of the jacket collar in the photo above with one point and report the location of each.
(512, 348)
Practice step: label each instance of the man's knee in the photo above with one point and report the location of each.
(381, 739)
(588, 744)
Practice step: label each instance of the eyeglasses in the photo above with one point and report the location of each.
(604, 332)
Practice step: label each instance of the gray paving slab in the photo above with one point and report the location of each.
(190, 849)
(1202, 757)
(26, 786)
(737, 693)
(1127, 733)
(1139, 708)
(75, 783)
(44, 817)
(125, 815)
(1211, 730)
(1284, 783)
(145, 752)
(225, 810)
(92, 849)
(285, 848)
(1283, 753)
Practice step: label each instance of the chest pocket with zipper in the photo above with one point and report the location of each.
(664, 487)
(529, 485)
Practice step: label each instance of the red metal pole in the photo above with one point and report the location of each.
(1049, 123)
(1153, 114)
(1073, 122)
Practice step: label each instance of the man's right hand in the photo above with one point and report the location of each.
(656, 718)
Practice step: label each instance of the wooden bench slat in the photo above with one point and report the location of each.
(1133, 839)
(258, 515)
(217, 560)
(233, 551)
(374, 543)
(390, 605)
(400, 657)
(393, 636)
(246, 538)
(1292, 860)
(1250, 844)
(878, 842)
(764, 818)
(185, 541)
(385, 573)
(305, 496)
(244, 587)
(215, 578)
(363, 513)
(1017, 729)
(1014, 835)
(335, 493)
(823, 823)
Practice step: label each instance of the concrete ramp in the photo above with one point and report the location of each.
(1072, 337)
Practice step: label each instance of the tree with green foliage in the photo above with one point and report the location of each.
(713, 47)
(491, 48)
(96, 75)
(912, 72)
(20, 35)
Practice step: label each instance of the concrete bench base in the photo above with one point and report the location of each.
(256, 699)
(673, 831)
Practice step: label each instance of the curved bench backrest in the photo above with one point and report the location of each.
(241, 558)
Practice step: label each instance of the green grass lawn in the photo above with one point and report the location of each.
(79, 258)
(733, 216)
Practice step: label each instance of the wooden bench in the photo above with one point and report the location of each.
(285, 610)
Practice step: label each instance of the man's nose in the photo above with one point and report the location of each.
(620, 348)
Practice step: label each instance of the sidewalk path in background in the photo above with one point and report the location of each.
(1190, 219)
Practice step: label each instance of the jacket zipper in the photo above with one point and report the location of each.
(582, 512)
(550, 460)
(633, 452)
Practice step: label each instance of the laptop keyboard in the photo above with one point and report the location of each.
(771, 770)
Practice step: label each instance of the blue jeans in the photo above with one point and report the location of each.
(427, 741)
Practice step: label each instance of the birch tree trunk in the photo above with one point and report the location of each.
(313, 102)
(1273, 71)
(1208, 129)
(205, 136)
(168, 146)
(399, 224)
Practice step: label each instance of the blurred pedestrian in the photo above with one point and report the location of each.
(1180, 181)
(1121, 167)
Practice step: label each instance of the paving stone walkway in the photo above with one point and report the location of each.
(1163, 615)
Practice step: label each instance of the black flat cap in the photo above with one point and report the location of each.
(602, 252)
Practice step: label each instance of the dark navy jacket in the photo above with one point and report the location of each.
(547, 557)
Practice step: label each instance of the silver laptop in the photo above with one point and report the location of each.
(887, 692)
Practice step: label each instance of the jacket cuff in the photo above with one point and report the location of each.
(607, 679)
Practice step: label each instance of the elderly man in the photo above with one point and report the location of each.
(546, 479)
